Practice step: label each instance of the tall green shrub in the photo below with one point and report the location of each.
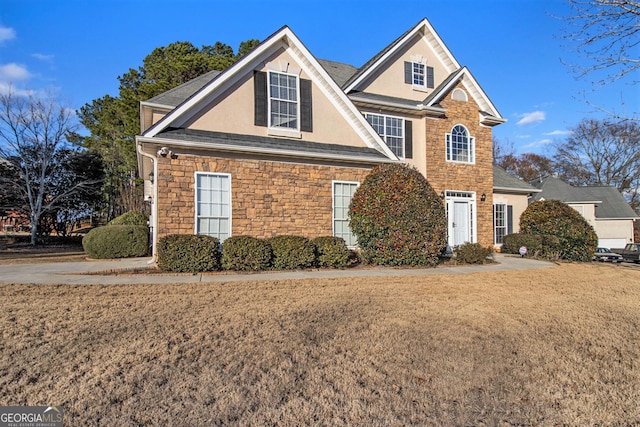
(117, 241)
(292, 252)
(398, 218)
(245, 253)
(187, 253)
(577, 241)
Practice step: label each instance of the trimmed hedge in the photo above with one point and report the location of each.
(473, 253)
(130, 218)
(187, 253)
(245, 253)
(398, 218)
(331, 252)
(291, 252)
(577, 239)
(117, 241)
(538, 245)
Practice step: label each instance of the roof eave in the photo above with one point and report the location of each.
(271, 152)
(518, 190)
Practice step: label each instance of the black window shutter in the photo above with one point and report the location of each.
(408, 73)
(260, 96)
(408, 139)
(306, 106)
(430, 77)
(509, 219)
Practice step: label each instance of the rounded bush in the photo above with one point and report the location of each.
(245, 253)
(473, 253)
(577, 241)
(331, 252)
(398, 218)
(130, 218)
(117, 241)
(187, 253)
(291, 252)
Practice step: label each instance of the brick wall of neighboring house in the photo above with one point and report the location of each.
(268, 197)
(478, 177)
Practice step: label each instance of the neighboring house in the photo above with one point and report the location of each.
(603, 207)
(279, 142)
(510, 199)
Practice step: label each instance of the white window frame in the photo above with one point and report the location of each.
(352, 242)
(470, 151)
(384, 134)
(272, 98)
(422, 75)
(220, 236)
(496, 218)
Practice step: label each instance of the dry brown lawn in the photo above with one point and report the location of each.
(559, 346)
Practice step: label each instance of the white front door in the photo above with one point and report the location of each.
(460, 223)
(460, 218)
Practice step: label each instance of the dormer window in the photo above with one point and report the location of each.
(418, 74)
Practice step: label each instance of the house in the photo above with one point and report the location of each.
(603, 207)
(510, 199)
(279, 142)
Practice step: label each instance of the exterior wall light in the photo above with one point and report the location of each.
(483, 197)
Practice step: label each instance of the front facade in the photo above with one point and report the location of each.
(603, 207)
(279, 142)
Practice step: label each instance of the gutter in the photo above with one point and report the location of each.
(154, 201)
(271, 152)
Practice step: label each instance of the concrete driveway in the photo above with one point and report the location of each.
(116, 272)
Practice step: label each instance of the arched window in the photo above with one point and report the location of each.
(460, 146)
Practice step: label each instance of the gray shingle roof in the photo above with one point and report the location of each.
(609, 202)
(273, 145)
(338, 71)
(374, 97)
(179, 94)
(502, 180)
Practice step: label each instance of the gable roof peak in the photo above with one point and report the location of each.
(423, 27)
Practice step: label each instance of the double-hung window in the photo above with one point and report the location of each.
(419, 74)
(500, 222)
(391, 129)
(213, 205)
(460, 146)
(342, 194)
(284, 101)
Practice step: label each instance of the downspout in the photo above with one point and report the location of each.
(154, 203)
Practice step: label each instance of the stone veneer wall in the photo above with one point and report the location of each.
(268, 197)
(478, 177)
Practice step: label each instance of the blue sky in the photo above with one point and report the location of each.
(512, 47)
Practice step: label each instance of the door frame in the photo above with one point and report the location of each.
(468, 197)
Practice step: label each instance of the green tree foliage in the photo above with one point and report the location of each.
(113, 122)
(577, 239)
(398, 218)
(131, 218)
(246, 253)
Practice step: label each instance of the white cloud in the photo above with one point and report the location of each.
(7, 87)
(42, 57)
(539, 143)
(558, 132)
(13, 72)
(6, 33)
(533, 117)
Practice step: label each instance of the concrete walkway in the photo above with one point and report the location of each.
(102, 272)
